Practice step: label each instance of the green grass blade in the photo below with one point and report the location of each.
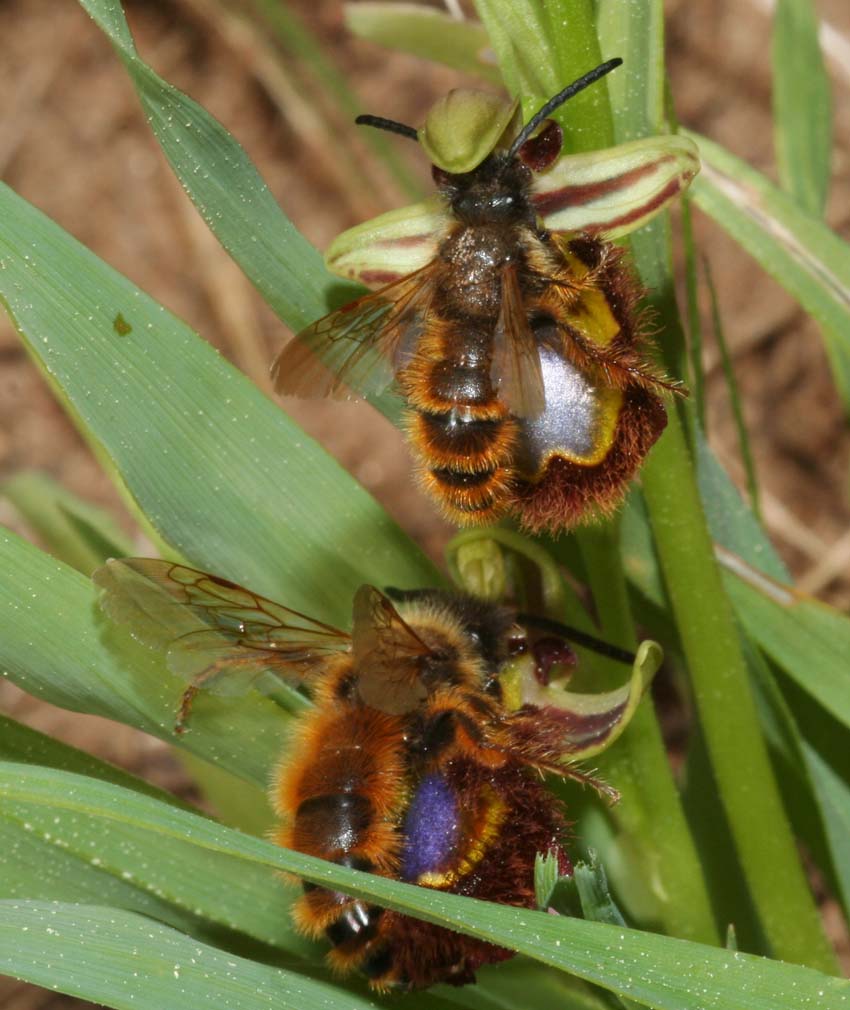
(799, 251)
(813, 750)
(37, 862)
(813, 635)
(32, 868)
(56, 645)
(227, 189)
(123, 960)
(696, 375)
(730, 519)
(734, 394)
(32, 865)
(659, 971)
(804, 637)
(27, 746)
(634, 32)
(706, 623)
(510, 985)
(426, 32)
(826, 752)
(833, 795)
(729, 892)
(807, 639)
(72, 530)
(220, 472)
(296, 40)
(541, 47)
(245, 898)
(802, 105)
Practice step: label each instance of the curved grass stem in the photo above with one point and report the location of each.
(650, 810)
(726, 708)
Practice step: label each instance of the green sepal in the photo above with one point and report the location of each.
(464, 127)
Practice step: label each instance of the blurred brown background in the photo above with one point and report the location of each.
(74, 142)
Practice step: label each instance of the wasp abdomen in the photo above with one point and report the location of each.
(465, 436)
(453, 384)
(340, 800)
(338, 820)
(464, 433)
(467, 457)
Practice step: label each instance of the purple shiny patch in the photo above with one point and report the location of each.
(430, 828)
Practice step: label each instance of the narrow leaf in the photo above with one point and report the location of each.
(734, 394)
(129, 962)
(246, 898)
(225, 186)
(56, 645)
(634, 32)
(813, 749)
(534, 43)
(32, 867)
(28, 746)
(802, 105)
(659, 971)
(222, 474)
(71, 529)
(805, 257)
(804, 637)
(426, 32)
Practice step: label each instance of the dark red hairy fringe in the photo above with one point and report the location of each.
(539, 733)
(425, 954)
(568, 489)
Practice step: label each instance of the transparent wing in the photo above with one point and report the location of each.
(215, 634)
(515, 370)
(358, 349)
(388, 655)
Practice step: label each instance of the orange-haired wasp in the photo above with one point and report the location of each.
(432, 723)
(505, 314)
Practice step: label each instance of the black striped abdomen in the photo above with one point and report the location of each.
(463, 434)
(341, 799)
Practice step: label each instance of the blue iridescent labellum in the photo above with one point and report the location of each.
(430, 828)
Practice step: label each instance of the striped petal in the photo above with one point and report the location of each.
(580, 725)
(390, 246)
(613, 192)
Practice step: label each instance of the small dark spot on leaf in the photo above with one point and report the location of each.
(121, 326)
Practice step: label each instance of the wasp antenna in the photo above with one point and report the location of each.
(578, 637)
(557, 100)
(390, 125)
